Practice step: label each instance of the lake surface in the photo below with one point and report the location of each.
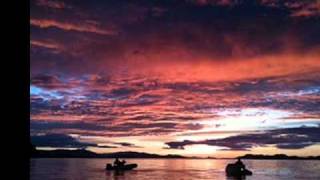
(173, 169)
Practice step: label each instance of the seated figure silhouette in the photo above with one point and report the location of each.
(237, 169)
(240, 164)
(116, 162)
(123, 162)
(120, 165)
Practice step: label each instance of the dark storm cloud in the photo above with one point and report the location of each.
(58, 140)
(120, 106)
(293, 138)
(66, 141)
(301, 105)
(285, 93)
(126, 144)
(38, 105)
(122, 91)
(122, 31)
(48, 81)
(46, 126)
(151, 125)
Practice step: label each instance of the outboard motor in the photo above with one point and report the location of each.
(108, 166)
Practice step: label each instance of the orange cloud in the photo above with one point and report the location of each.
(305, 9)
(186, 69)
(47, 23)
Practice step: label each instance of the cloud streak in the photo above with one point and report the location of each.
(58, 140)
(88, 28)
(52, 4)
(294, 138)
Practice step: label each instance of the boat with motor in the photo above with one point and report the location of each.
(126, 167)
(236, 171)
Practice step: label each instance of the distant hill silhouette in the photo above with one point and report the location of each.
(278, 156)
(82, 153)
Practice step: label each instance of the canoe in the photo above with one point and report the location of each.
(234, 170)
(126, 167)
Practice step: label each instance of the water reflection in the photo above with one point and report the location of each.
(236, 178)
(173, 169)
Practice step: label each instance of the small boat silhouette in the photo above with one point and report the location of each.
(237, 169)
(125, 167)
(234, 170)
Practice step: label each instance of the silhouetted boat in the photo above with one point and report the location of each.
(234, 170)
(125, 167)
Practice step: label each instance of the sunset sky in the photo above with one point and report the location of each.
(192, 77)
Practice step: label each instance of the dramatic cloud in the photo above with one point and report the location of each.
(137, 74)
(125, 144)
(205, 39)
(294, 138)
(155, 107)
(47, 23)
(45, 126)
(54, 140)
(58, 140)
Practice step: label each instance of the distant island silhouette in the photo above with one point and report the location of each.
(278, 156)
(83, 153)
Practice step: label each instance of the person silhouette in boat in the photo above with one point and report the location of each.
(123, 162)
(116, 162)
(237, 169)
(119, 163)
(240, 164)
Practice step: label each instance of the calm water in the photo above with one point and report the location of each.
(173, 169)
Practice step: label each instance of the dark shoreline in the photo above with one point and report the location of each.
(141, 155)
(89, 154)
(277, 157)
(196, 158)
